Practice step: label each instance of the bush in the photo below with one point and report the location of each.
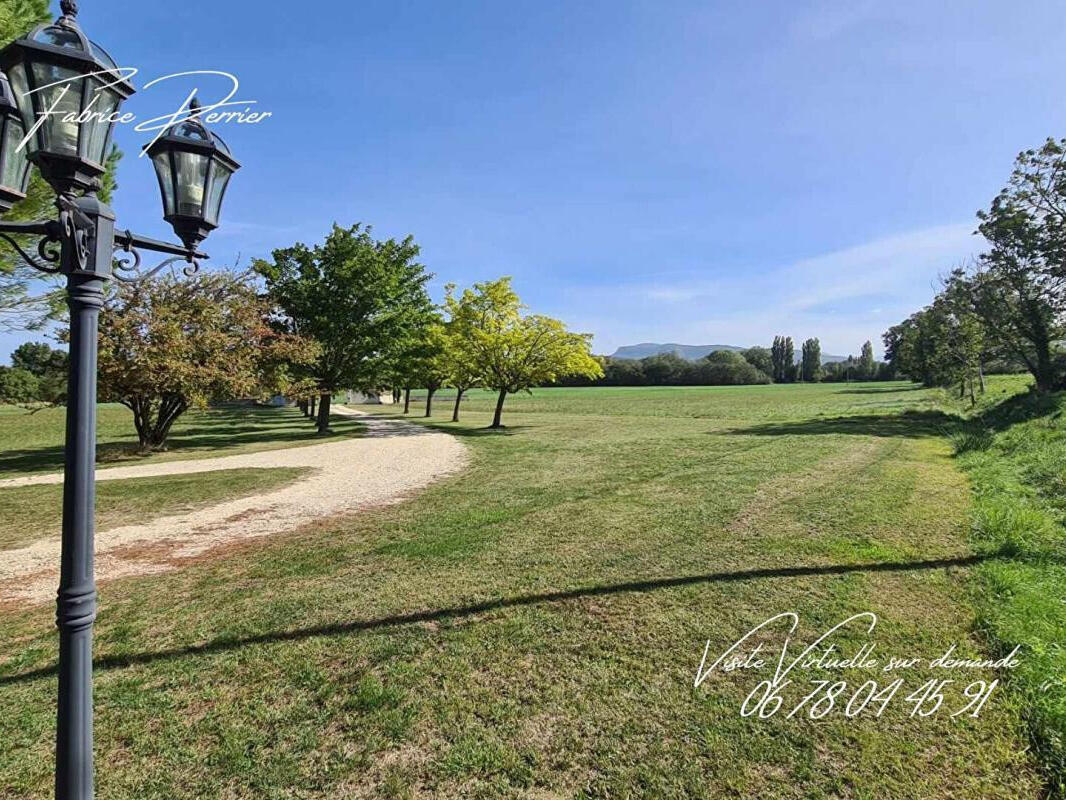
(18, 386)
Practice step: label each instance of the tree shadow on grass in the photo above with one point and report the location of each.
(909, 424)
(882, 389)
(496, 604)
(444, 426)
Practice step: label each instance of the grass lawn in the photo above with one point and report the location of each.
(33, 442)
(532, 626)
(29, 513)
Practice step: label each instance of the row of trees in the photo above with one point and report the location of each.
(350, 313)
(1007, 309)
(365, 303)
(755, 365)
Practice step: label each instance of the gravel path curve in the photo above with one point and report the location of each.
(389, 461)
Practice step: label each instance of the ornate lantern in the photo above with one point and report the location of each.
(68, 91)
(194, 166)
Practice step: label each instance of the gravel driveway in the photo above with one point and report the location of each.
(386, 463)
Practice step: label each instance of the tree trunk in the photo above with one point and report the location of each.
(499, 409)
(981, 376)
(429, 402)
(406, 399)
(962, 388)
(396, 395)
(973, 397)
(152, 434)
(302, 405)
(311, 413)
(455, 411)
(323, 413)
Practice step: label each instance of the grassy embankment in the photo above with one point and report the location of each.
(33, 443)
(532, 626)
(1015, 455)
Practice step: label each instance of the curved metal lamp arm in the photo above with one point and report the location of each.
(48, 247)
(128, 270)
(49, 256)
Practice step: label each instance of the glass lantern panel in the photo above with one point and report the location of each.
(104, 103)
(15, 168)
(59, 37)
(19, 87)
(192, 175)
(218, 189)
(166, 181)
(190, 130)
(62, 101)
(102, 55)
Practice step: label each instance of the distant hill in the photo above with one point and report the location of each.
(692, 352)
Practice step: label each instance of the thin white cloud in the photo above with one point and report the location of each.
(843, 297)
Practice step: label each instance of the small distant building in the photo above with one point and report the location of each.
(372, 399)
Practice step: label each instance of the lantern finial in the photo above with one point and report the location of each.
(69, 8)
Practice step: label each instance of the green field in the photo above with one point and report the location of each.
(33, 442)
(532, 626)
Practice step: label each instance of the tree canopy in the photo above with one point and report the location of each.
(363, 300)
(1010, 303)
(512, 352)
(168, 344)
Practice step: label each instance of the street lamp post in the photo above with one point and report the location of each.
(56, 74)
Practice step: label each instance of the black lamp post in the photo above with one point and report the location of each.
(56, 75)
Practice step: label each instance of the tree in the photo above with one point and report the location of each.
(1018, 287)
(811, 363)
(167, 345)
(867, 370)
(460, 357)
(18, 386)
(428, 365)
(48, 365)
(364, 301)
(783, 358)
(726, 368)
(514, 353)
(760, 358)
(664, 369)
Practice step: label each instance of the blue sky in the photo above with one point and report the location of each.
(715, 172)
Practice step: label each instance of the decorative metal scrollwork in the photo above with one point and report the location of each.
(77, 230)
(128, 270)
(47, 249)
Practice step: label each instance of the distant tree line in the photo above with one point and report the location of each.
(1006, 311)
(755, 365)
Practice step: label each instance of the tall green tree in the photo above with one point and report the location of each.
(513, 352)
(460, 356)
(867, 365)
(783, 358)
(811, 363)
(363, 300)
(1018, 286)
(777, 359)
